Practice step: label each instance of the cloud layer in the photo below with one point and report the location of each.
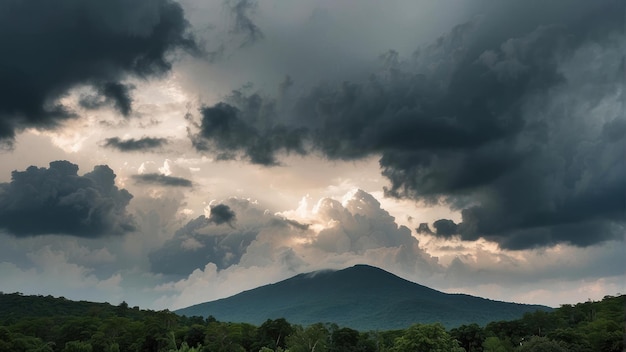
(56, 200)
(503, 120)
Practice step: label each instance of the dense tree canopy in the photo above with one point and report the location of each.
(48, 324)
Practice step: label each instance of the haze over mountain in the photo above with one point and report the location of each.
(361, 297)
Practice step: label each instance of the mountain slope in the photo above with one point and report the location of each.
(361, 297)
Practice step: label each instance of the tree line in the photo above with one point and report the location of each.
(48, 324)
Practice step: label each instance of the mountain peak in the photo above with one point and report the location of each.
(362, 297)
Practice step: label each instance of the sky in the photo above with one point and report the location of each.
(166, 153)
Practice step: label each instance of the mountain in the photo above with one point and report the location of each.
(361, 297)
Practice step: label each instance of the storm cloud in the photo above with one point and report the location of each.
(115, 94)
(506, 121)
(162, 180)
(56, 200)
(246, 131)
(53, 47)
(132, 144)
(222, 214)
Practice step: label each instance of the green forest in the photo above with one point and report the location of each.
(49, 324)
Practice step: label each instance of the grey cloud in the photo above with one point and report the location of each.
(162, 180)
(110, 93)
(132, 144)
(203, 240)
(424, 229)
(222, 214)
(445, 227)
(56, 200)
(242, 11)
(193, 246)
(297, 224)
(56, 46)
(494, 119)
(246, 131)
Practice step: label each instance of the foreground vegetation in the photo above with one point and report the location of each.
(48, 324)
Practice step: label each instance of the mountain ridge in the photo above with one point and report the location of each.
(362, 297)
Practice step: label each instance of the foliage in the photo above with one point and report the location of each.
(426, 338)
(493, 344)
(471, 337)
(541, 344)
(65, 326)
(314, 338)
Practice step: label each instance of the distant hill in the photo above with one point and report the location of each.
(361, 297)
(15, 306)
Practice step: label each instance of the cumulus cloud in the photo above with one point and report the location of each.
(211, 239)
(56, 200)
(56, 47)
(132, 144)
(333, 232)
(162, 180)
(493, 119)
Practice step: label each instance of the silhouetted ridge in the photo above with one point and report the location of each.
(362, 297)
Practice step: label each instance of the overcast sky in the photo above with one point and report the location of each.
(169, 153)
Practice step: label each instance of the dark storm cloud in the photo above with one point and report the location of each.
(50, 47)
(424, 229)
(242, 11)
(222, 214)
(502, 118)
(246, 130)
(56, 200)
(162, 180)
(445, 227)
(110, 93)
(132, 144)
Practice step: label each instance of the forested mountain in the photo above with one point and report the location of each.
(361, 297)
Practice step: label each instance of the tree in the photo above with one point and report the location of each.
(604, 335)
(195, 335)
(494, 344)
(426, 338)
(541, 344)
(344, 340)
(471, 337)
(314, 338)
(77, 346)
(272, 333)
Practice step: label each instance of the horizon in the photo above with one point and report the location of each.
(173, 152)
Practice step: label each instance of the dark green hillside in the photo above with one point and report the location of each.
(48, 324)
(18, 306)
(361, 297)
